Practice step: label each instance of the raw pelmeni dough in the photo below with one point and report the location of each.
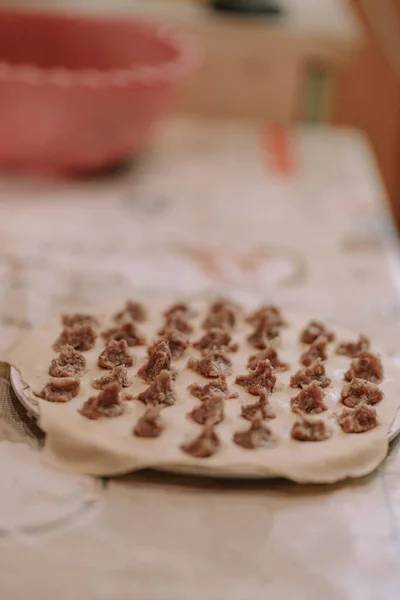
(108, 447)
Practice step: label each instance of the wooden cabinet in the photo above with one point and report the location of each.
(367, 95)
(260, 67)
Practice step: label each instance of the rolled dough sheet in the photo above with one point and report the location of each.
(107, 446)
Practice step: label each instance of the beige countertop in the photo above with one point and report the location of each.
(298, 217)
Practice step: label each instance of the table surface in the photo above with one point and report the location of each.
(296, 217)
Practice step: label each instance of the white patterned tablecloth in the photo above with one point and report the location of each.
(298, 217)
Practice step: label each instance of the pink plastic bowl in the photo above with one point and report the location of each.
(79, 93)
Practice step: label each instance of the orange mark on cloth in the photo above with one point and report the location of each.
(279, 148)
(249, 262)
(208, 262)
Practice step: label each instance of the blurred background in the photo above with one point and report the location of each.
(319, 61)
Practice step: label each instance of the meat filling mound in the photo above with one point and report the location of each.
(366, 366)
(310, 430)
(353, 349)
(160, 391)
(270, 353)
(107, 403)
(204, 445)
(271, 313)
(263, 333)
(117, 374)
(69, 363)
(213, 364)
(60, 390)
(216, 338)
(317, 349)
(217, 386)
(159, 359)
(180, 307)
(127, 331)
(310, 400)
(177, 319)
(114, 355)
(314, 330)
(133, 311)
(79, 319)
(258, 410)
(176, 340)
(222, 315)
(361, 419)
(359, 390)
(262, 378)
(80, 337)
(150, 424)
(315, 372)
(211, 410)
(258, 435)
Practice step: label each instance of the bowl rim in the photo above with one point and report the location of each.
(186, 44)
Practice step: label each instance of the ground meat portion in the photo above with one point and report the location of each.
(118, 374)
(213, 364)
(262, 378)
(359, 390)
(114, 355)
(127, 331)
(69, 363)
(177, 321)
(310, 400)
(353, 349)
(362, 418)
(315, 372)
(107, 403)
(180, 307)
(177, 342)
(159, 359)
(264, 332)
(133, 311)
(314, 330)
(271, 313)
(216, 337)
(258, 435)
(316, 350)
(150, 424)
(258, 410)
(217, 386)
(80, 337)
(310, 430)
(366, 366)
(221, 314)
(270, 353)
(204, 445)
(60, 390)
(211, 410)
(160, 391)
(79, 319)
